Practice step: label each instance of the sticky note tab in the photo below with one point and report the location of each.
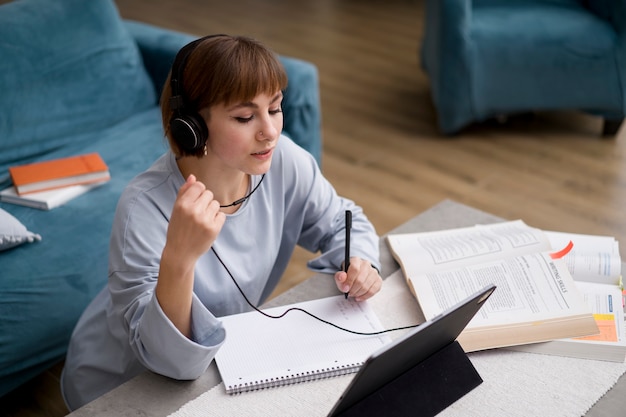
(562, 252)
(608, 331)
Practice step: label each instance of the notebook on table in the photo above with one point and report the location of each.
(261, 352)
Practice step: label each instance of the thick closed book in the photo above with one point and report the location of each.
(57, 173)
(45, 200)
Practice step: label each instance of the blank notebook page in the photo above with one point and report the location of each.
(261, 352)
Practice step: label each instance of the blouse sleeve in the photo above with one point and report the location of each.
(137, 240)
(323, 222)
(160, 346)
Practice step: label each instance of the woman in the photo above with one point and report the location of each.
(229, 202)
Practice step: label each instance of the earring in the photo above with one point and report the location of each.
(205, 150)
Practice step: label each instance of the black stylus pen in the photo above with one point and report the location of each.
(346, 262)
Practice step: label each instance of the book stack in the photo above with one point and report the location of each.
(557, 293)
(48, 184)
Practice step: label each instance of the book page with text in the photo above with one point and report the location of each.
(530, 288)
(431, 251)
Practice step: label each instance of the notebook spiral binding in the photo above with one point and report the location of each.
(293, 379)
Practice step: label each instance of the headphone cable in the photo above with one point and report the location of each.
(302, 310)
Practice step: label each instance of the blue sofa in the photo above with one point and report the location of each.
(75, 78)
(491, 58)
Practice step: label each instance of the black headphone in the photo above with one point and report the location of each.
(187, 127)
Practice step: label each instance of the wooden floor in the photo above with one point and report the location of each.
(381, 144)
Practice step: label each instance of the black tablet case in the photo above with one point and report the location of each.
(419, 374)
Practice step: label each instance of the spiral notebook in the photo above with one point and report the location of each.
(260, 352)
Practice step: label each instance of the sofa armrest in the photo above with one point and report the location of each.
(446, 59)
(614, 11)
(158, 47)
(301, 104)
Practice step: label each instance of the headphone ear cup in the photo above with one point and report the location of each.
(190, 132)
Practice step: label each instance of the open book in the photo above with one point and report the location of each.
(536, 299)
(595, 265)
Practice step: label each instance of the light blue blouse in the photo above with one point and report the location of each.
(124, 331)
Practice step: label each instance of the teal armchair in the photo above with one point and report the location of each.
(491, 58)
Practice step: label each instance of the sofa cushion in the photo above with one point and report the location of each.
(68, 67)
(46, 285)
(13, 233)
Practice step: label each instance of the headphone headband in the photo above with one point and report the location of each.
(177, 101)
(187, 127)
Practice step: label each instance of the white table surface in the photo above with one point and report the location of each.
(150, 394)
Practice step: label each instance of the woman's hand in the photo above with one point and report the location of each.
(361, 281)
(196, 221)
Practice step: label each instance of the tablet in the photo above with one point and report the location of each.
(409, 350)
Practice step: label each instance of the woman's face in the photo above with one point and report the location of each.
(243, 136)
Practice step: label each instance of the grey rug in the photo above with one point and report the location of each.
(515, 383)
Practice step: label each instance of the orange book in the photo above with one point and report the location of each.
(57, 173)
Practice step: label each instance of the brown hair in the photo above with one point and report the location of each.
(223, 70)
